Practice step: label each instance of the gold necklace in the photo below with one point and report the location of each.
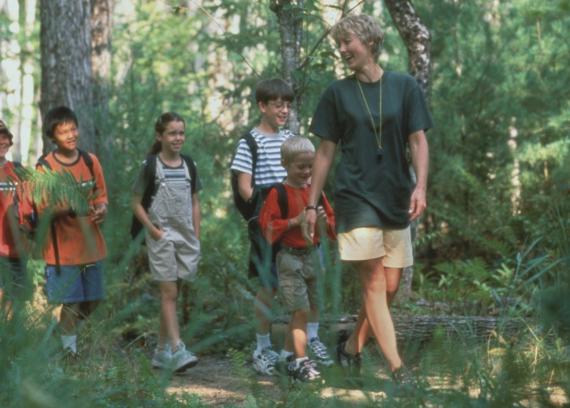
(377, 133)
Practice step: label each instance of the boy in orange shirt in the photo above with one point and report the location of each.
(75, 246)
(296, 269)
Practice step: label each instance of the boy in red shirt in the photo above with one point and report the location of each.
(12, 266)
(297, 260)
(75, 246)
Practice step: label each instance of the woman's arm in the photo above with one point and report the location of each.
(321, 166)
(420, 160)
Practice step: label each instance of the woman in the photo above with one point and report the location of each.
(374, 115)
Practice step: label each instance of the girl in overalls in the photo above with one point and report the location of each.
(172, 232)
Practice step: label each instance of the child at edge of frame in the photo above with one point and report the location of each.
(75, 248)
(172, 232)
(298, 266)
(12, 243)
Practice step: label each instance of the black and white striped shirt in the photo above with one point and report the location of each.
(269, 169)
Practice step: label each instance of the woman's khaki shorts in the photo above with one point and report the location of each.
(361, 244)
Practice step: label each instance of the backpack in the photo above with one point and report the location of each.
(247, 209)
(151, 187)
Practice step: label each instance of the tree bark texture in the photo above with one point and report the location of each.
(65, 41)
(417, 38)
(290, 17)
(101, 74)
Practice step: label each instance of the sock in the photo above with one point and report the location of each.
(69, 343)
(312, 330)
(263, 341)
(285, 354)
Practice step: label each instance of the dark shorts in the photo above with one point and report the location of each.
(12, 277)
(74, 283)
(261, 257)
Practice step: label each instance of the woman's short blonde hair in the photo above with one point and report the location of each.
(294, 146)
(364, 27)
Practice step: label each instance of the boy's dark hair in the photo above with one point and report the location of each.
(4, 131)
(57, 116)
(272, 89)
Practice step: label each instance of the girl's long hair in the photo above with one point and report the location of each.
(160, 126)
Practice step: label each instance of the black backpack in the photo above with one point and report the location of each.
(247, 209)
(151, 187)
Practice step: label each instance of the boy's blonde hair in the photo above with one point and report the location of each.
(364, 27)
(294, 146)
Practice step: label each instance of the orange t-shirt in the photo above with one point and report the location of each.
(9, 183)
(79, 241)
(275, 225)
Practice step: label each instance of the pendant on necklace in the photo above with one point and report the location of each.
(379, 152)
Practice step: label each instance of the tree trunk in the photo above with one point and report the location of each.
(417, 38)
(27, 21)
(101, 74)
(290, 17)
(12, 70)
(65, 41)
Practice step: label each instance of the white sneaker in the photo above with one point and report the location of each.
(303, 370)
(162, 357)
(181, 359)
(264, 362)
(319, 352)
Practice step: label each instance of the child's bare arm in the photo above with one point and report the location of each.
(196, 216)
(141, 214)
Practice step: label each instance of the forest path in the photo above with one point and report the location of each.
(216, 381)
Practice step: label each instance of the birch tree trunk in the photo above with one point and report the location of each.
(65, 41)
(27, 88)
(11, 69)
(101, 75)
(290, 17)
(417, 38)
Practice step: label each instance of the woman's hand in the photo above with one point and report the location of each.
(418, 203)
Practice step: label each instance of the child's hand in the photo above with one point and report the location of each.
(321, 215)
(97, 214)
(156, 233)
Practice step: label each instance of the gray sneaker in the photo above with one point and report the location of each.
(319, 352)
(162, 357)
(182, 359)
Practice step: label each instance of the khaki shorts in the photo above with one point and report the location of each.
(297, 279)
(361, 244)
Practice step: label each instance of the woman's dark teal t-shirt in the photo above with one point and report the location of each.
(372, 191)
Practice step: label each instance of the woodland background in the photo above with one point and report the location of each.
(493, 242)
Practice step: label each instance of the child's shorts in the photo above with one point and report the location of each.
(262, 257)
(74, 283)
(297, 278)
(12, 277)
(173, 256)
(394, 246)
